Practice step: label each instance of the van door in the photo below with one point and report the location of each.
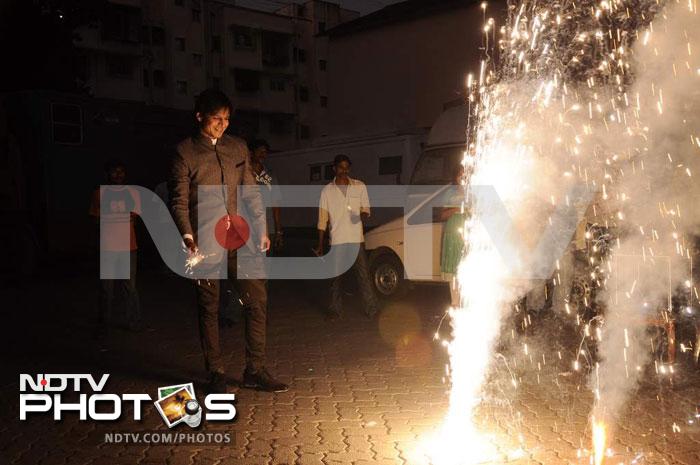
(423, 241)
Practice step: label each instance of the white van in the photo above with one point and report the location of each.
(386, 159)
(385, 244)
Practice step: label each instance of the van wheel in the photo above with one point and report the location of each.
(387, 276)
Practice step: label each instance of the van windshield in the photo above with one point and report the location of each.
(437, 166)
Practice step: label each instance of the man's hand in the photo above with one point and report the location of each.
(318, 251)
(264, 243)
(360, 217)
(190, 244)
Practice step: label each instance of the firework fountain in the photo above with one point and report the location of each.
(599, 95)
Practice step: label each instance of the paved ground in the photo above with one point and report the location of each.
(362, 392)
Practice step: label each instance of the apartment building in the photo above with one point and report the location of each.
(396, 69)
(272, 64)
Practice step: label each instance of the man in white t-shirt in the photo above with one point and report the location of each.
(345, 205)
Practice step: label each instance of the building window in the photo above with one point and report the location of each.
(300, 55)
(179, 2)
(277, 84)
(275, 49)
(196, 15)
(197, 59)
(121, 23)
(246, 80)
(390, 165)
(279, 125)
(243, 38)
(315, 173)
(120, 66)
(322, 64)
(180, 44)
(246, 122)
(321, 172)
(159, 78)
(304, 131)
(324, 101)
(321, 27)
(303, 94)
(215, 43)
(67, 124)
(157, 35)
(181, 87)
(145, 35)
(146, 78)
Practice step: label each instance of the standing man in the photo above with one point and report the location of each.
(211, 158)
(116, 202)
(264, 177)
(345, 204)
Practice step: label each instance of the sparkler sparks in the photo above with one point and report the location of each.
(194, 259)
(599, 441)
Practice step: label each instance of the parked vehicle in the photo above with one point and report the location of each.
(376, 160)
(385, 244)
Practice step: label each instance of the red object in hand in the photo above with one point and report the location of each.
(232, 232)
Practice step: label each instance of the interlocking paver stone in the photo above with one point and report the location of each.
(352, 399)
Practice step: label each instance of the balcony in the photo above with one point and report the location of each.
(121, 23)
(276, 50)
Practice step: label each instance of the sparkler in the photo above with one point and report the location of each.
(568, 97)
(194, 259)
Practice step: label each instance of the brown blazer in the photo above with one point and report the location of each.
(196, 164)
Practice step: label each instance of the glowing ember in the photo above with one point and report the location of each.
(599, 432)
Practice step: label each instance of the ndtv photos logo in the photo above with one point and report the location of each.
(43, 393)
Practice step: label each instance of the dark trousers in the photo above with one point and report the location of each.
(253, 294)
(128, 289)
(360, 269)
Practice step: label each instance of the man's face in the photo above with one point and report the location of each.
(260, 153)
(342, 169)
(214, 125)
(116, 175)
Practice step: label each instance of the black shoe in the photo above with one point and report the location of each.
(263, 381)
(217, 383)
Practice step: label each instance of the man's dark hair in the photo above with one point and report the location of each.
(114, 164)
(257, 143)
(341, 158)
(210, 101)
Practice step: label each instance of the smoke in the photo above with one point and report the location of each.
(584, 97)
(653, 199)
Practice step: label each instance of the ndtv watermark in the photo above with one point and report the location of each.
(418, 204)
(44, 394)
(155, 438)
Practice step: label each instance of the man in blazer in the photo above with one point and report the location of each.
(211, 158)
